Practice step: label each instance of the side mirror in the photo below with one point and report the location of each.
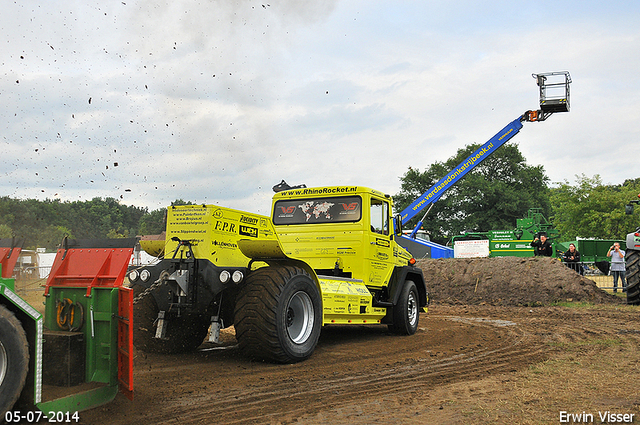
(397, 225)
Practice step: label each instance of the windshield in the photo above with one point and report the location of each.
(318, 210)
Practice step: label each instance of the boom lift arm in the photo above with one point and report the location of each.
(554, 97)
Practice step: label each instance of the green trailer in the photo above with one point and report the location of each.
(516, 242)
(592, 250)
(78, 354)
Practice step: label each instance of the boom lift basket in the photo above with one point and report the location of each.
(554, 91)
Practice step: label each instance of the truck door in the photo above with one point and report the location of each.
(379, 249)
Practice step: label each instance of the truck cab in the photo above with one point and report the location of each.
(343, 231)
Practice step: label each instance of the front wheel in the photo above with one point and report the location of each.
(406, 312)
(278, 314)
(633, 277)
(14, 359)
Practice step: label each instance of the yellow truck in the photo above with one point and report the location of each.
(326, 256)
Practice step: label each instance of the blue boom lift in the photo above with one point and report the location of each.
(554, 97)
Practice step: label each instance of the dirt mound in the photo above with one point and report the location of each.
(508, 281)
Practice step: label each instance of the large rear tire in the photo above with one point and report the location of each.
(184, 333)
(14, 360)
(633, 277)
(406, 312)
(278, 314)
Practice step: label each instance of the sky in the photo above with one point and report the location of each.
(217, 101)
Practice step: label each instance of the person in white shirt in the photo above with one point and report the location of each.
(617, 266)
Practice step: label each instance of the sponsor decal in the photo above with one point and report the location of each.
(434, 193)
(362, 290)
(461, 170)
(224, 245)
(374, 279)
(248, 220)
(350, 207)
(405, 255)
(382, 256)
(224, 226)
(189, 232)
(383, 242)
(324, 190)
(288, 210)
(218, 214)
(248, 231)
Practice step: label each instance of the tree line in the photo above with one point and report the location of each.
(43, 224)
(503, 187)
(492, 196)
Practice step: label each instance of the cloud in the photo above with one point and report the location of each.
(218, 101)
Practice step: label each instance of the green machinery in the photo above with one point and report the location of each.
(78, 354)
(516, 242)
(592, 250)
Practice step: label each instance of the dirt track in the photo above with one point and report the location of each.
(493, 348)
(462, 363)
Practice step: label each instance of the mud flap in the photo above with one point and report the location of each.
(125, 341)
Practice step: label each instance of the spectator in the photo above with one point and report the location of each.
(571, 258)
(617, 266)
(541, 246)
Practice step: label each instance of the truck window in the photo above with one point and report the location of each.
(379, 217)
(318, 210)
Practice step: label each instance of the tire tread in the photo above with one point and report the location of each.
(633, 277)
(13, 333)
(256, 312)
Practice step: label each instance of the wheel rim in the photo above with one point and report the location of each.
(3, 362)
(300, 317)
(412, 309)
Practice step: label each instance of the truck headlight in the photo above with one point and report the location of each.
(237, 277)
(133, 275)
(145, 275)
(224, 276)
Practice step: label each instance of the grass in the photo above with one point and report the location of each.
(581, 305)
